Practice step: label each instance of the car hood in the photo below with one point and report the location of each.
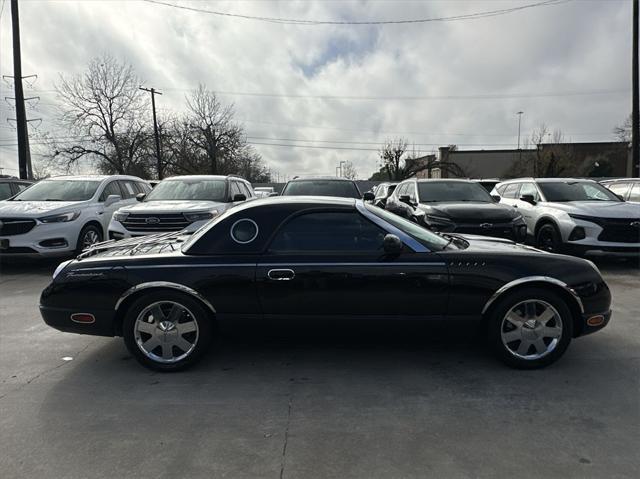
(36, 209)
(488, 243)
(600, 209)
(171, 206)
(469, 211)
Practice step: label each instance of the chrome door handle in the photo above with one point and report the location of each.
(281, 274)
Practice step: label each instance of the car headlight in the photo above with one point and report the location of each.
(63, 218)
(438, 219)
(193, 217)
(591, 219)
(120, 216)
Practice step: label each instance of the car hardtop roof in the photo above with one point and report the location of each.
(547, 180)
(323, 178)
(614, 180)
(433, 180)
(93, 177)
(203, 177)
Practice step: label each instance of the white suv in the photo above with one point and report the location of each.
(65, 214)
(574, 215)
(180, 203)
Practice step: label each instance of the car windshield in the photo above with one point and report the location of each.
(344, 189)
(428, 238)
(59, 190)
(450, 191)
(188, 189)
(561, 192)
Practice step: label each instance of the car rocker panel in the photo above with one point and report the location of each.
(264, 259)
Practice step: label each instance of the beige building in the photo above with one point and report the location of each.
(602, 159)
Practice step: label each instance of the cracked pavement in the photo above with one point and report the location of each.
(315, 401)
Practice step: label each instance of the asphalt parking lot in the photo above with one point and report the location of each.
(291, 401)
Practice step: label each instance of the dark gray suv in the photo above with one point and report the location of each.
(11, 186)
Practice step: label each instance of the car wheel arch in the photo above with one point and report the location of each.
(545, 220)
(550, 284)
(134, 293)
(95, 223)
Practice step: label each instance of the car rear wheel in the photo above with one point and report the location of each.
(530, 328)
(167, 331)
(89, 236)
(548, 238)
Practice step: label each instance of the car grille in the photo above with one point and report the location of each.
(155, 223)
(15, 226)
(500, 230)
(619, 230)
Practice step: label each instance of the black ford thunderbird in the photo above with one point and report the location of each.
(311, 257)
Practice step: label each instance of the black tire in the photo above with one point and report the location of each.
(200, 338)
(499, 325)
(548, 238)
(90, 234)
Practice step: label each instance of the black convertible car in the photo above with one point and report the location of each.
(311, 257)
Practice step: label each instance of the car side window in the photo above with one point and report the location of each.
(619, 188)
(380, 191)
(246, 190)
(328, 232)
(234, 189)
(529, 189)
(635, 193)
(402, 190)
(111, 189)
(22, 186)
(128, 189)
(511, 191)
(411, 191)
(5, 191)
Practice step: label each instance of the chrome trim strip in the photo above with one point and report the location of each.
(211, 265)
(412, 243)
(269, 265)
(530, 279)
(164, 284)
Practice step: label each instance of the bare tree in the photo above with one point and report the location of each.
(623, 132)
(103, 110)
(349, 171)
(399, 166)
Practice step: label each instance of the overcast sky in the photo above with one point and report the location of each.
(547, 61)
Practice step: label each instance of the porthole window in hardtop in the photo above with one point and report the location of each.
(244, 231)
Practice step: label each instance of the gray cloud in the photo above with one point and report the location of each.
(578, 46)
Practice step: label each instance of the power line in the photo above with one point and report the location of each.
(488, 96)
(302, 22)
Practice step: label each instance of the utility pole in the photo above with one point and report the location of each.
(155, 92)
(341, 170)
(24, 158)
(635, 113)
(519, 113)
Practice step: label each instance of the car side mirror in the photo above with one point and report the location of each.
(368, 196)
(392, 244)
(239, 197)
(528, 198)
(141, 196)
(405, 199)
(496, 198)
(111, 199)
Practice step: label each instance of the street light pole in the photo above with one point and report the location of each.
(519, 121)
(341, 170)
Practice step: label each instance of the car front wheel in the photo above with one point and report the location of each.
(89, 236)
(530, 328)
(167, 331)
(548, 239)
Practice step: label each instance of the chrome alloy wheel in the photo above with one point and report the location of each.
(89, 239)
(166, 332)
(531, 329)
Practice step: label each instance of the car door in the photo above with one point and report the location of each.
(331, 264)
(106, 211)
(394, 200)
(525, 208)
